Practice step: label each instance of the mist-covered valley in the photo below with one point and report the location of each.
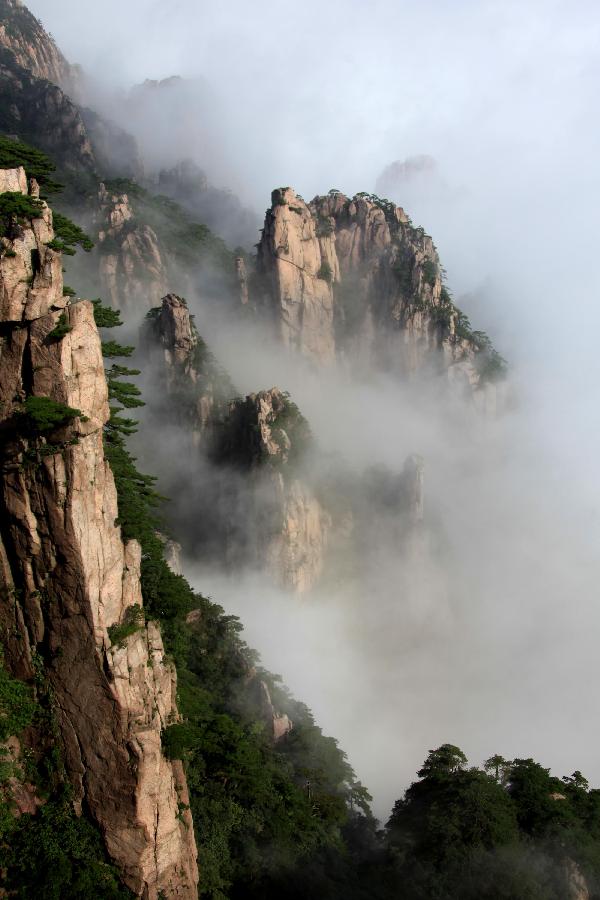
(371, 414)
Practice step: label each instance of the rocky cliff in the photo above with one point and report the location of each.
(40, 94)
(33, 48)
(266, 436)
(191, 388)
(72, 604)
(220, 209)
(351, 279)
(261, 503)
(132, 271)
(40, 112)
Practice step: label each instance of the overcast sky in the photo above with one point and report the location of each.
(472, 83)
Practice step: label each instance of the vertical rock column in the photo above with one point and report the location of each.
(67, 576)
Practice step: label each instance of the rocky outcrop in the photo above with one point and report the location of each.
(33, 48)
(352, 280)
(278, 724)
(132, 271)
(221, 210)
(266, 436)
(40, 113)
(296, 262)
(191, 389)
(115, 150)
(577, 886)
(69, 582)
(258, 501)
(39, 96)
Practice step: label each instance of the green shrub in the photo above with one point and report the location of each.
(462, 325)
(68, 291)
(133, 620)
(490, 365)
(442, 315)
(111, 348)
(42, 414)
(430, 272)
(403, 270)
(180, 738)
(325, 272)
(106, 317)
(324, 226)
(36, 164)
(16, 210)
(61, 328)
(68, 235)
(17, 707)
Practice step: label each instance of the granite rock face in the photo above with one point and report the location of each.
(253, 443)
(33, 48)
(191, 389)
(352, 280)
(132, 271)
(265, 436)
(41, 113)
(68, 576)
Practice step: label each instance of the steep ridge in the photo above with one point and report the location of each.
(33, 48)
(192, 389)
(147, 242)
(268, 494)
(39, 111)
(71, 586)
(41, 103)
(254, 443)
(266, 436)
(352, 280)
(131, 269)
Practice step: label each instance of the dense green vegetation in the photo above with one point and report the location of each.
(40, 415)
(16, 210)
(36, 164)
(509, 830)
(67, 235)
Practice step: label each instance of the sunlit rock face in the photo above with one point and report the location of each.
(132, 271)
(68, 576)
(352, 281)
(190, 388)
(32, 46)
